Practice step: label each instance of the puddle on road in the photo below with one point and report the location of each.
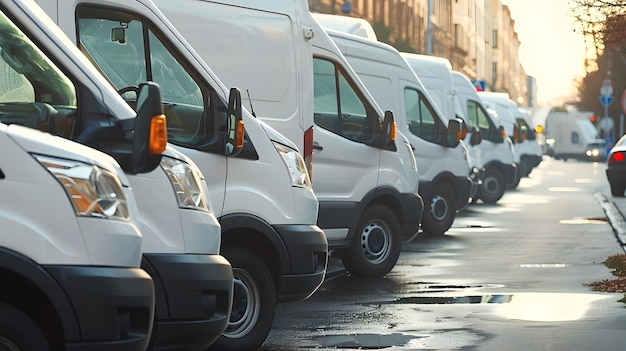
(538, 307)
(566, 189)
(597, 220)
(365, 341)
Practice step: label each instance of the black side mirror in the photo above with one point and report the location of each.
(388, 135)
(150, 132)
(476, 137)
(455, 133)
(501, 134)
(234, 134)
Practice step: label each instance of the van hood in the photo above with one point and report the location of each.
(36, 142)
(274, 135)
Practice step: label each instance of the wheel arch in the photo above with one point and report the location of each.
(30, 288)
(258, 236)
(385, 196)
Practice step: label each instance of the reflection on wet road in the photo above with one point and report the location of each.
(510, 276)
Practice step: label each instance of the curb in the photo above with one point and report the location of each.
(615, 218)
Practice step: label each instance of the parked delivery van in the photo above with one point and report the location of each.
(572, 135)
(261, 194)
(61, 93)
(364, 174)
(528, 153)
(437, 144)
(70, 246)
(494, 156)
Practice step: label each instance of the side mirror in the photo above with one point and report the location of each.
(150, 131)
(234, 134)
(476, 137)
(389, 130)
(523, 134)
(455, 133)
(501, 134)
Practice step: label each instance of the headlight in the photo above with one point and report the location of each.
(187, 183)
(93, 191)
(295, 165)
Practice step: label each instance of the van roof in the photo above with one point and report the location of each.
(346, 24)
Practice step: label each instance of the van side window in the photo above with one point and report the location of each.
(128, 52)
(33, 90)
(337, 107)
(478, 118)
(420, 115)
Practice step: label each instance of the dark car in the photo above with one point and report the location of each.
(616, 167)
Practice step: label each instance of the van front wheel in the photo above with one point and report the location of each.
(18, 331)
(440, 210)
(493, 186)
(376, 244)
(254, 302)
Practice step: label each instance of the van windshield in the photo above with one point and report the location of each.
(33, 91)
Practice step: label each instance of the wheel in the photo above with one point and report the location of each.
(376, 245)
(440, 210)
(617, 189)
(18, 332)
(254, 302)
(523, 169)
(493, 186)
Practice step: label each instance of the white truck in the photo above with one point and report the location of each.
(300, 83)
(441, 155)
(262, 195)
(70, 246)
(570, 134)
(495, 155)
(528, 153)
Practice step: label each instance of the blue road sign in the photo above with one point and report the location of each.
(606, 100)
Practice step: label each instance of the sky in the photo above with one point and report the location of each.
(550, 51)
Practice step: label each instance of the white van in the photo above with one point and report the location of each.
(437, 144)
(70, 246)
(366, 182)
(528, 153)
(572, 135)
(494, 156)
(262, 195)
(346, 24)
(181, 236)
(436, 74)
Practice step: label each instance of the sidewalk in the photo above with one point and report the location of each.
(615, 208)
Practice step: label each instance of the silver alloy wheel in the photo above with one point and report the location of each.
(375, 242)
(246, 305)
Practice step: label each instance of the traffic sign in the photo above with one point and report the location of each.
(606, 89)
(606, 100)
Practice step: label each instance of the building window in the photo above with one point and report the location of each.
(494, 39)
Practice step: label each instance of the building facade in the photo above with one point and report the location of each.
(477, 36)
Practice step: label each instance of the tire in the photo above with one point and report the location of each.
(493, 186)
(440, 210)
(617, 189)
(376, 244)
(523, 169)
(18, 332)
(254, 302)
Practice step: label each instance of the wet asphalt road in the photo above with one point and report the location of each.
(509, 276)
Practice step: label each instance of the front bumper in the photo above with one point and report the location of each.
(308, 256)
(113, 307)
(193, 298)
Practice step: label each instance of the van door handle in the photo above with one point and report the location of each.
(317, 146)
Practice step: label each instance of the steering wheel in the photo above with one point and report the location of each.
(132, 88)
